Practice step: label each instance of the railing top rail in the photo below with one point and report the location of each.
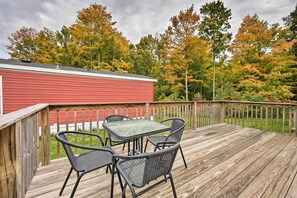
(54, 106)
(263, 103)
(13, 117)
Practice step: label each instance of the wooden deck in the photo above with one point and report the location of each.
(223, 161)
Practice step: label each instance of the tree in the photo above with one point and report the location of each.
(22, 44)
(95, 41)
(214, 28)
(145, 56)
(46, 46)
(63, 39)
(179, 49)
(261, 61)
(291, 23)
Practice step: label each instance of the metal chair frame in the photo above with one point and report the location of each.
(114, 118)
(61, 137)
(156, 164)
(171, 139)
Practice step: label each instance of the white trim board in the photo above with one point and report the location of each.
(78, 73)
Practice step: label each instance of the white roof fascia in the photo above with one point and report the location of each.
(60, 71)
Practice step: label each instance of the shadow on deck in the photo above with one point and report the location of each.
(223, 161)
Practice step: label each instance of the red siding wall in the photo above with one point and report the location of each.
(22, 89)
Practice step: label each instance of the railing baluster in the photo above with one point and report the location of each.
(271, 118)
(91, 139)
(97, 126)
(256, 117)
(252, 116)
(290, 121)
(67, 119)
(242, 115)
(266, 119)
(247, 116)
(83, 125)
(261, 117)
(284, 117)
(58, 130)
(239, 115)
(75, 127)
(277, 112)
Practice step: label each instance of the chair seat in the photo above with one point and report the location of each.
(133, 170)
(157, 139)
(93, 160)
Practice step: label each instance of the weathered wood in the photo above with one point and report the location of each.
(283, 181)
(45, 136)
(13, 117)
(58, 130)
(8, 174)
(147, 111)
(223, 112)
(216, 155)
(259, 185)
(235, 187)
(194, 116)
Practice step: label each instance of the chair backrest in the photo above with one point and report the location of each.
(61, 137)
(114, 118)
(159, 163)
(177, 129)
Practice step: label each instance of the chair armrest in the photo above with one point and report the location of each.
(85, 133)
(165, 143)
(105, 148)
(131, 157)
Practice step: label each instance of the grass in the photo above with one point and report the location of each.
(275, 125)
(269, 124)
(57, 150)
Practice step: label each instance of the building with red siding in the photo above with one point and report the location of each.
(23, 84)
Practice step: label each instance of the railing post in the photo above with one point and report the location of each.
(147, 111)
(223, 112)
(295, 119)
(45, 136)
(194, 114)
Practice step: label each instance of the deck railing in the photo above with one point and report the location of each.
(26, 140)
(275, 117)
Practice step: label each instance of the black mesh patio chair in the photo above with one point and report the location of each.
(139, 170)
(112, 139)
(176, 132)
(92, 159)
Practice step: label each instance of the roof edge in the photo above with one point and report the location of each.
(79, 73)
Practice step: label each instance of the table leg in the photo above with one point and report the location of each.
(128, 146)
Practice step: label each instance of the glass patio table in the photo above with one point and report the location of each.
(134, 130)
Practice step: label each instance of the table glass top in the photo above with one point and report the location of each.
(131, 128)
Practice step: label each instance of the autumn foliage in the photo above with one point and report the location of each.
(194, 57)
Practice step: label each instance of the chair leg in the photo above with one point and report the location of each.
(145, 145)
(76, 184)
(124, 146)
(124, 191)
(120, 180)
(112, 182)
(105, 141)
(181, 151)
(172, 185)
(132, 191)
(65, 182)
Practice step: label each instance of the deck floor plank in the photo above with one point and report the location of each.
(223, 161)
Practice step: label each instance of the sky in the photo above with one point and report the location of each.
(135, 18)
